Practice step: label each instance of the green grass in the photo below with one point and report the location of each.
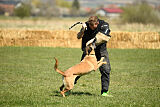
(27, 78)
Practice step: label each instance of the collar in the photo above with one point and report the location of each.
(91, 54)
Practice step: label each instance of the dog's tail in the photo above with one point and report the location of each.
(56, 67)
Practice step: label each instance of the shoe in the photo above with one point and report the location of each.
(106, 94)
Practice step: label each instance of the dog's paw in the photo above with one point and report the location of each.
(62, 93)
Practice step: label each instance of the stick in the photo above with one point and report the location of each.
(75, 25)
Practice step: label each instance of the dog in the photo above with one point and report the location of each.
(88, 64)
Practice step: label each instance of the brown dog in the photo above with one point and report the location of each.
(88, 64)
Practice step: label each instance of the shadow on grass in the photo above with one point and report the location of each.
(57, 93)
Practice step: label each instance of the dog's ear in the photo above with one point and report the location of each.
(89, 48)
(94, 45)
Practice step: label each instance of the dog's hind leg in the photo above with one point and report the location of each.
(62, 92)
(69, 85)
(61, 88)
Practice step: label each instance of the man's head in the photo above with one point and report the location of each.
(93, 22)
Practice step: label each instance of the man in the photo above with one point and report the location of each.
(88, 31)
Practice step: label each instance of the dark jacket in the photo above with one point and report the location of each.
(89, 34)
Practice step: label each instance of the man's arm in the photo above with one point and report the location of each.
(105, 29)
(104, 34)
(81, 33)
(102, 38)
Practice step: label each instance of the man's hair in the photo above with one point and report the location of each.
(92, 20)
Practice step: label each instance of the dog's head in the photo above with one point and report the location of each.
(90, 49)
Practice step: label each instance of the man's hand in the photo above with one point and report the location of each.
(84, 26)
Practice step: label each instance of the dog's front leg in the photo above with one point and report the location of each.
(61, 88)
(100, 63)
(101, 60)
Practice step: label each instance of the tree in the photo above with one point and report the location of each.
(22, 10)
(75, 8)
(63, 3)
(76, 5)
(140, 13)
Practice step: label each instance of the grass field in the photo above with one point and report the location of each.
(27, 78)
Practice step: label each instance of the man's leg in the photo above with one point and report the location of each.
(105, 74)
